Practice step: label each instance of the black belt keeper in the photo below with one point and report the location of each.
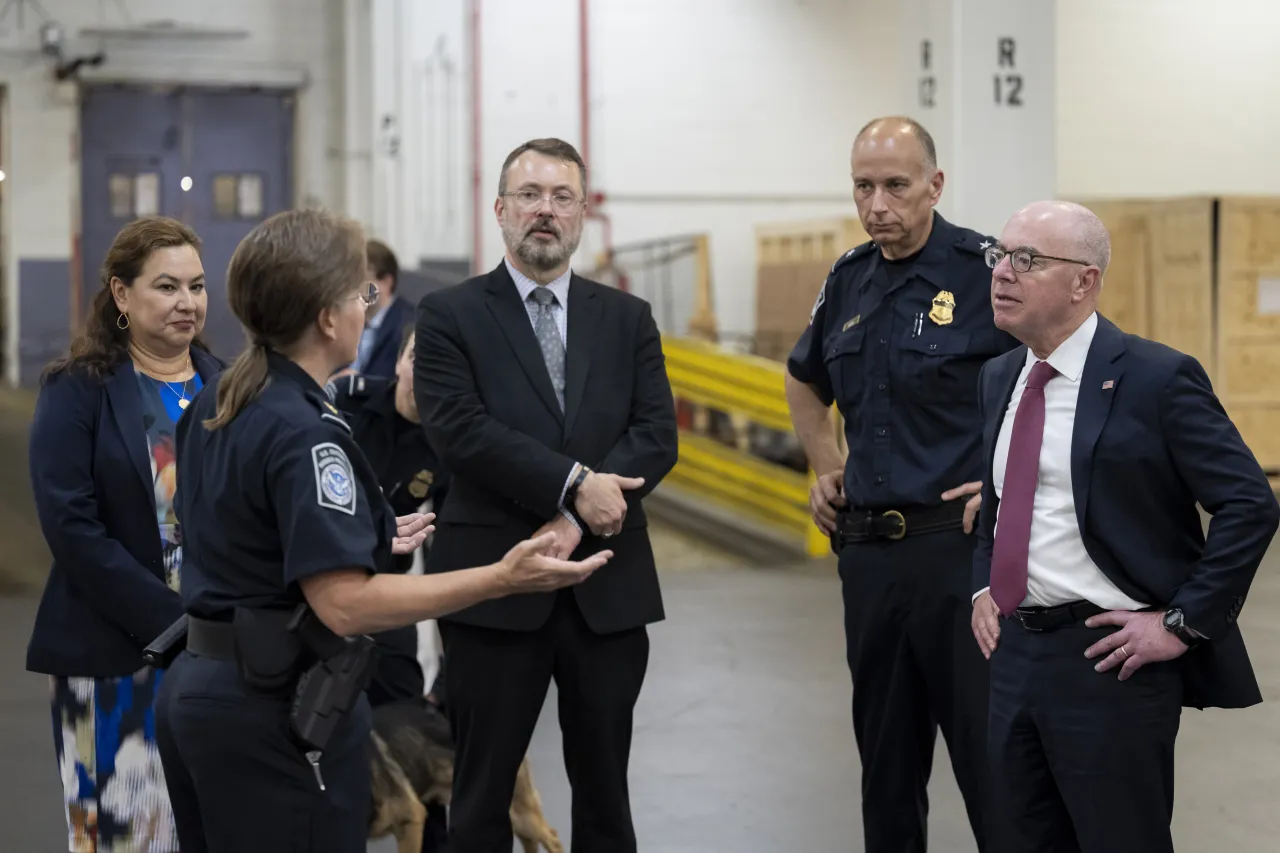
(862, 524)
(210, 639)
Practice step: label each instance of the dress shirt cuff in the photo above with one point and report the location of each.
(572, 520)
(978, 593)
(573, 472)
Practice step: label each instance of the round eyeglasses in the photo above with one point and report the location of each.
(530, 200)
(1022, 259)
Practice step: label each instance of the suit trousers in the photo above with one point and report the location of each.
(916, 669)
(1082, 762)
(498, 682)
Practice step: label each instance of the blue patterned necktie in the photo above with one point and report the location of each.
(549, 339)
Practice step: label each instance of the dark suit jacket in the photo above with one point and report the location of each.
(1145, 450)
(386, 342)
(489, 409)
(105, 598)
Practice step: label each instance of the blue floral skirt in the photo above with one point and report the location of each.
(104, 731)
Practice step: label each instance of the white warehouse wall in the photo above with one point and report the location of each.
(1168, 97)
(289, 42)
(706, 117)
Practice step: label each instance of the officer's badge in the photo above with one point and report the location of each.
(335, 486)
(421, 484)
(849, 325)
(944, 306)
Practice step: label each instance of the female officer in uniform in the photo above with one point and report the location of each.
(279, 508)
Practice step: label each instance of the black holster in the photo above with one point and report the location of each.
(328, 688)
(292, 651)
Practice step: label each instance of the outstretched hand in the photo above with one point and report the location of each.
(528, 567)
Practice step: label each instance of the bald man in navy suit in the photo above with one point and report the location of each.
(1099, 600)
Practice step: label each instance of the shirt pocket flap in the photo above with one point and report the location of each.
(848, 343)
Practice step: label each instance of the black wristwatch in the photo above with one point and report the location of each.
(572, 491)
(1175, 624)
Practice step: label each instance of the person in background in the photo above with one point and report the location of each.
(102, 466)
(900, 329)
(1100, 601)
(379, 342)
(384, 424)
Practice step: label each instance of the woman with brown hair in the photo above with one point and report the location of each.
(102, 462)
(285, 520)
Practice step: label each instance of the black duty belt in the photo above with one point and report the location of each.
(868, 525)
(211, 639)
(1059, 616)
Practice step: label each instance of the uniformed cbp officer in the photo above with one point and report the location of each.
(278, 506)
(898, 334)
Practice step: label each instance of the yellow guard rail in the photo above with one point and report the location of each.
(755, 489)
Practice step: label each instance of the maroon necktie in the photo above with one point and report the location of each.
(1021, 471)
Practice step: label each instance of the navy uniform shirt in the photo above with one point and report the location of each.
(407, 468)
(897, 346)
(279, 494)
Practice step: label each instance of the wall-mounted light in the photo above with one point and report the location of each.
(186, 184)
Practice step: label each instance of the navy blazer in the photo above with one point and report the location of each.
(385, 351)
(1150, 442)
(105, 598)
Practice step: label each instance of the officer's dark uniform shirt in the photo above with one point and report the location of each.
(897, 346)
(279, 494)
(409, 473)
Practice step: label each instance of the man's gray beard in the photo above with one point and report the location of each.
(544, 256)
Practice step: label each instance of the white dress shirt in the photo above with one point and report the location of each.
(1059, 569)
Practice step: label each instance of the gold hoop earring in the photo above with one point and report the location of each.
(124, 317)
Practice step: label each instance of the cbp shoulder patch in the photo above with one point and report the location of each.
(822, 297)
(335, 485)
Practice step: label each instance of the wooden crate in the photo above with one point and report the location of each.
(1248, 309)
(792, 262)
(1160, 282)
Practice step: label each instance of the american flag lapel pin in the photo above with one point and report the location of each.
(1108, 385)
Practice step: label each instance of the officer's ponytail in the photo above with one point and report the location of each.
(282, 275)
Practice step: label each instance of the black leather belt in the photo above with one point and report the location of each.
(867, 525)
(211, 639)
(1059, 616)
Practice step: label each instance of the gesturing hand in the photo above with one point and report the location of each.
(974, 504)
(985, 623)
(411, 532)
(528, 568)
(825, 495)
(1141, 639)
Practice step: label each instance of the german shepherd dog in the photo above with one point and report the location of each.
(412, 766)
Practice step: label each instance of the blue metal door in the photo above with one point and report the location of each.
(130, 166)
(219, 160)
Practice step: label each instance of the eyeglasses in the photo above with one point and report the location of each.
(1022, 259)
(529, 200)
(369, 295)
